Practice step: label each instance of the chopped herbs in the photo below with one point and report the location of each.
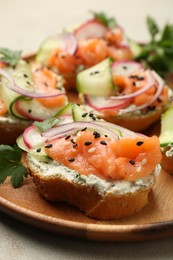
(47, 124)
(10, 165)
(139, 143)
(10, 57)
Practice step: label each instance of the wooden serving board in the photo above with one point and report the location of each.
(154, 221)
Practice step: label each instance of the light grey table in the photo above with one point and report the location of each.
(23, 25)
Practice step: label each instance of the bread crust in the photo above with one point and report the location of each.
(167, 162)
(137, 123)
(11, 129)
(109, 205)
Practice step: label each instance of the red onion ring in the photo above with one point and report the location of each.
(150, 83)
(70, 128)
(156, 95)
(25, 92)
(95, 102)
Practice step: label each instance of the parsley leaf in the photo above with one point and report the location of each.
(47, 124)
(10, 165)
(158, 52)
(10, 57)
(109, 22)
(152, 27)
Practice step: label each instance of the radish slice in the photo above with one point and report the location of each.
(33, 110)
(32, 137)
(67, 42)
(25, 92)
(102, 103)
(91, 29)
(125, 67)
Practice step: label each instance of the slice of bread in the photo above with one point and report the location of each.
(135, 122)
(10, 129)
(96, 197)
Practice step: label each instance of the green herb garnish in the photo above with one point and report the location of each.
(47, 124)
(158, 52)
(10, 165)
(10, 57)
(109, 22)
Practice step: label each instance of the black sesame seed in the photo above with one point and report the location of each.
(67, 137)
(71, 160)
(88, 143)
(96, 134)
(94, 72)
(106, 135)
(84, 129)
(29, 111)
(159, 100)
(48, 145)
(124, 67)
(28, 83)
(151, 108)
(74, 145)
(103, 143)
(72, 140)
(134, 83)
(133, 76)
(84, 114)
(38, 150)
(139, 143)
(132, 162)
(140, 78)
(91, 114)
(93, 118)
(25, 75)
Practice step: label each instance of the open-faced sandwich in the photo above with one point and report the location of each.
(82, 47)
(166, 140)
(124, 93)
(27, 94)
(103, 169)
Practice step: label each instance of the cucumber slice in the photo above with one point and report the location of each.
(34, 151)
(33, 110)
(45, 49)
(22, 76)
(67, 110)
(97, 80)
(166, 135)
(79, 113)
